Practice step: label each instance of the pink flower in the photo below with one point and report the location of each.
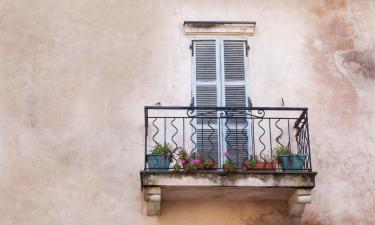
(226, 154)
(181, 162)
(196, 161)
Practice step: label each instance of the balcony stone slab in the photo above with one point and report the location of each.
(221, 179)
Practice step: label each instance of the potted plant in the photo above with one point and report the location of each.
(289, 161)
(255, 164)
(160, 158)
(263, 164)
(228, 166)
(249, 164)
(183, 161)
(192, 162)
(209, 164)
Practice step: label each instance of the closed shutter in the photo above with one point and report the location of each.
(220, 79)
(206, 92)
(234, 79)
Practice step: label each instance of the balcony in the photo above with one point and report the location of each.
(249, 152)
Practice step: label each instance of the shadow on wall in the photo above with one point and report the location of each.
(198, 212)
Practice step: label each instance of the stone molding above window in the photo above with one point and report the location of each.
(219, 27)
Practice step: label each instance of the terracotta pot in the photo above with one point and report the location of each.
(245, 167)
(266, 165)
(212, 166)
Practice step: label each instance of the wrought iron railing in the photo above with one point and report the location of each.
(227, 139)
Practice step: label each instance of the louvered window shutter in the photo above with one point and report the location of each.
(206, 92)
(235, 85)
(220, 79)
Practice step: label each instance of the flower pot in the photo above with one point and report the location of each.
(292, 162)
(266, 165)
(211, 166)
(229, 166)
(245, 167)
(158, 162)
(260, 165)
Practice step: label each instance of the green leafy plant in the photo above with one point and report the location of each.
(182, 154)
(229, 165)
(165, 149)
(189, 167)
(249, 163)
(209, 164)
(281, 150)
(177, 167)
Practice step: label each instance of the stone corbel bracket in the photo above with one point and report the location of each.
(297, 202)
(246, 28)
(152, 197)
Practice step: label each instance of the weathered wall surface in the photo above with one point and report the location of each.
(75, 76)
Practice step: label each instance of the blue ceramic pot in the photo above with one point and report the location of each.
(293, 162)
(158, 162)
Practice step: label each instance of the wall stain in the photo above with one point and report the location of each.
(339, 67)
(333, 31)
(352, 62)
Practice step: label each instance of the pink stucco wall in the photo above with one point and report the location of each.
(75, 75)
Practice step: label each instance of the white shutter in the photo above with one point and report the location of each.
(206, 92)
(220, 78)
(235, 92)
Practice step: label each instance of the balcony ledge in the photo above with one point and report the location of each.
(222, 179)
(292, 186)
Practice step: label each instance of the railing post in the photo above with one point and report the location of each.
(146, 134)
(308, 139)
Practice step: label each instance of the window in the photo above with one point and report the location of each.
(220, 79)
